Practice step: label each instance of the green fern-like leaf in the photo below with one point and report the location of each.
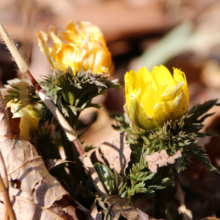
(73, 93)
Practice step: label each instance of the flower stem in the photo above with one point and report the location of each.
(70, 132)
(160, 204)
(161, 196)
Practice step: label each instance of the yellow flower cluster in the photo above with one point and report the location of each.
(81, 46)
(154, 98)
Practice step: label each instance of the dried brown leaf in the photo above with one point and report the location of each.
(161, 159)
(34, 193)
(122, 207)
(35, 178)
(115, 153)
(143, 216)
(95, 214)
(38, 187)
(70, 213)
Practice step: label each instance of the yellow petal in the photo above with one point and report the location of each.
(163, 76)
(149, 99)
(180, 76)
(81, 46)
(180, 106)
(71, 27)
(172, 92)
(144, 77)
(57, 41)
(29, 115)
(131, 78)
(127, 94)
(162, 112)
(138, 115)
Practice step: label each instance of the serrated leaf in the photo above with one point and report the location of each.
(77, 91)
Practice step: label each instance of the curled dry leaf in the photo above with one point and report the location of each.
(115, 153)
(142, 215)
(122, 207)
(161, 159)
(36, 188)
(33, 192)
(35, 179)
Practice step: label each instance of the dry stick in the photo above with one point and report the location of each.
(7, 200)
(70, 132)
(187, 214)
(5, 181)
(4, 171)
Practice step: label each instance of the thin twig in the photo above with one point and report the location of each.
(70, 132)
(187, 214)
(7, 200)
(5, 177)
(94, 175)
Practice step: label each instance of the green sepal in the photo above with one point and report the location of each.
(20, 92)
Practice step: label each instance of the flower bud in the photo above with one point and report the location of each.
(30, 117)
(154, 98)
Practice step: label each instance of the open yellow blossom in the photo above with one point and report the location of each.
(81, 46)
(156, 97)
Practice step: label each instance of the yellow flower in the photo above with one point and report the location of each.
(81, 46)
(154, 98)
(29, 115)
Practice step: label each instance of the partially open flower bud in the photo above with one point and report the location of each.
(154, 98)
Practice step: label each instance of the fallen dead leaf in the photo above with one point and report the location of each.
(33, 192)
(115, 153)
(122, 207)
(95, 214)
(161, 159)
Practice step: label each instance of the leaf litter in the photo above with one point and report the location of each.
(33, 192)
